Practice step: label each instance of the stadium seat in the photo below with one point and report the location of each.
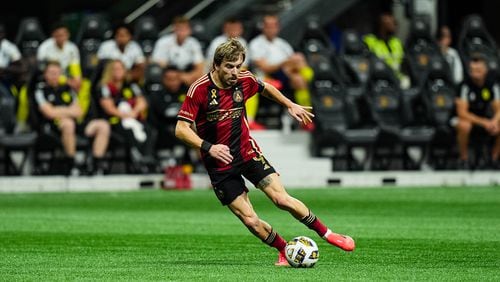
(336, 120)
(146, 34)
(393, 115)
(93, 30)
(475, 38)
(439, 96)
(420, 48)
(29, 36)
(152, 79)
(355, 57)
(10, 141)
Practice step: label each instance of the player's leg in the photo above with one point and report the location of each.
(243, 209)
(272, 187)
(100, 130)
(463, 132)
(67, 126)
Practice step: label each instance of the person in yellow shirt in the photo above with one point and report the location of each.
(385, 45)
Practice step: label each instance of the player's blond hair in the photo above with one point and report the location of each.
(229, 51)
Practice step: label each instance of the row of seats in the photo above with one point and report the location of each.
(359, 102)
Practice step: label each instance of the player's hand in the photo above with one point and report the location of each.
(492, 127)
(221, 152)
(301, 113)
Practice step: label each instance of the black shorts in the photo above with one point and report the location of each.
(228, 185)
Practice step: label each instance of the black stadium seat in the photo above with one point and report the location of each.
(146, 34)
(393, 116)
(420, 48)
(29, 36)
(337, 120)
(475, 38)
(439, 96)
(93, 31)
(355, 57)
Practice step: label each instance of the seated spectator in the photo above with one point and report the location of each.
(232, 28)
(123, 48)
(450, 54)
(275, 60)
(478, 109)
(125, 106)
(180, 50)
(59, 49)
(60, 110)
(386, 46)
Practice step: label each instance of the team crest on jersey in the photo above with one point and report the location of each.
(237, 96)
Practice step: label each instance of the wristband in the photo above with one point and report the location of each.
(205, 146)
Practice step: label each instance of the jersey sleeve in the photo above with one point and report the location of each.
(189, 109)
(255, 85)
(463, 93)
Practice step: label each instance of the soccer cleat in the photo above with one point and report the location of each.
(344, 242)
(282, 259)
(253, 125)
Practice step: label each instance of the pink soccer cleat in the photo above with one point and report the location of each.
(344, 242)
(282, 259)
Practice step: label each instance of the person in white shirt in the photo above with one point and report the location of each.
(232, 28)
(123, 48)
(180, 50)
(60, 49)
(450, 54)
(275, 60)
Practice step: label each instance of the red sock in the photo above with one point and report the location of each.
(315, 224)
(275, 240)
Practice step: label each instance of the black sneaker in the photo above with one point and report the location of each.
(463, 165)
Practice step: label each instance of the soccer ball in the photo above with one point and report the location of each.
(301, 252)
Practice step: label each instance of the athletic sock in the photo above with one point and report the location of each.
(315, 224)
(275, 240)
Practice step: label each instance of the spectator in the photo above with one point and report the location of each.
(478, 109)
(386, 46)
(59, 49)
(450, 54)
(124, 106)
(274, 58)
(123, 48)
(180, 50)
(11, 66)
(59, 107)
(232, 28)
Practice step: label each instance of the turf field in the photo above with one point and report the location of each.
(402, 234)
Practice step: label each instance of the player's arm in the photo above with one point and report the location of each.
(186, 134)
(464, 113)
(300, 113)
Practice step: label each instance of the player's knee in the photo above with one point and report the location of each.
(67, 125)
(103, 128)
(464, 126)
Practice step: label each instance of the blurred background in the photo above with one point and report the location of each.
(379, 75)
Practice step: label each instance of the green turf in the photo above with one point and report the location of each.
(401, 234)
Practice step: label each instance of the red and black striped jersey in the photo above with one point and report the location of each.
(220, 117)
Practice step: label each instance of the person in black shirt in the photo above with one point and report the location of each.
(478, 108)
(60, 110)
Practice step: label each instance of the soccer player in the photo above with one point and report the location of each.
(215, 106)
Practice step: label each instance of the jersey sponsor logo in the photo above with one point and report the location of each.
(220, 115)
(184, 113)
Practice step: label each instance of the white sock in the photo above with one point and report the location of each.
(328, 232)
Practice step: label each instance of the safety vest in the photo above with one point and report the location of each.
(391, 52)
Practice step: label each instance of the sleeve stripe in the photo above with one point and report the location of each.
(179, 117)
(195, 84)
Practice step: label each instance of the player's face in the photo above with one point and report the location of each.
(228, 72)
(172, 80)
(478, 70)
(122, 37)
(271, 27)
(52, 74)
(233, 29)
(60, 35)
(182, 31)
(118, 71)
